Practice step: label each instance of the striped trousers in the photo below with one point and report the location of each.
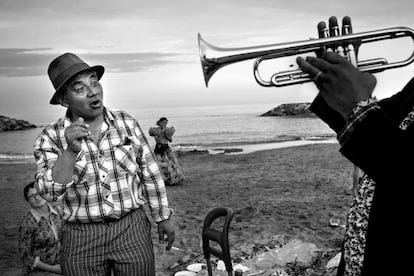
(123, 246)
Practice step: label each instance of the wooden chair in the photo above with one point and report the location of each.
(220, 237)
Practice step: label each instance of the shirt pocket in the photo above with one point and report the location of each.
(126, 158)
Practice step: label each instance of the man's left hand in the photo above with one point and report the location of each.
(165, 227)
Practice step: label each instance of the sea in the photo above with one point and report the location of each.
(211, 128)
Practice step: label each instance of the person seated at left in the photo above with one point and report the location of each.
(39, 246)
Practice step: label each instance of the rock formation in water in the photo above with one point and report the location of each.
(7, 124)
(291, 109)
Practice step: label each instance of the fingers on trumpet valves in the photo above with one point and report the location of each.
(346, 25)
(346, 51)
(350, 51)
(334, 31)
(323, 31)
(333, 26)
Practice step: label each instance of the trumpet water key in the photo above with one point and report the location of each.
(213, 58)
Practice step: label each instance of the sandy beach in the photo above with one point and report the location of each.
(290, 191)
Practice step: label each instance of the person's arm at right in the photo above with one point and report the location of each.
(356, 175)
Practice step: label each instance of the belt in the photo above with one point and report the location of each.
(110, 220)
(107, 220)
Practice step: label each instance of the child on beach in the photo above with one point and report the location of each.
(166, 158)
(39, 245)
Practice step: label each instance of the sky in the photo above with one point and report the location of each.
(150, 50)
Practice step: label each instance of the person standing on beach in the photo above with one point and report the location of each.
(39, 245)
(377, 136)
(167, 160)
(98, 161)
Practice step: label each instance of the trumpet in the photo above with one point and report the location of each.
(213, 58)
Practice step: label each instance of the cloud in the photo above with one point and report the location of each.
(21, 62)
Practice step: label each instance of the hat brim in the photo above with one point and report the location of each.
(99, 69)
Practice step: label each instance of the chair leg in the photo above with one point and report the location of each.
(210, 272)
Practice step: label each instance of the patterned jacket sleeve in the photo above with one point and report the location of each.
(25, 243)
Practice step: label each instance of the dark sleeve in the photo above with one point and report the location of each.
(327, 114)
(400, 104)
(377, 144)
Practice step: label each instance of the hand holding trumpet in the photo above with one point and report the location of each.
(340, 83)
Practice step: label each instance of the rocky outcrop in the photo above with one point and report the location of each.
(291, 109)
(7, 124)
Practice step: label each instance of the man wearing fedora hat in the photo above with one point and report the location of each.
(97, 160)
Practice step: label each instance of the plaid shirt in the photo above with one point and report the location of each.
(110, 179)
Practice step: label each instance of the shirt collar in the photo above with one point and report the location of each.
(38, 216)
(108, 115)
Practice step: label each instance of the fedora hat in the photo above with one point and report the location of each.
(64, 67)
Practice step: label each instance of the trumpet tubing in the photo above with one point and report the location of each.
(285, 78)
(213, 58)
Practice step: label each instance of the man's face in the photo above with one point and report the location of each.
(84, 96)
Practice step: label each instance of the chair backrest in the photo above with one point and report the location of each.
(220, 237)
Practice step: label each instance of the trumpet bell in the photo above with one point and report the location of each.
(207, 65)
